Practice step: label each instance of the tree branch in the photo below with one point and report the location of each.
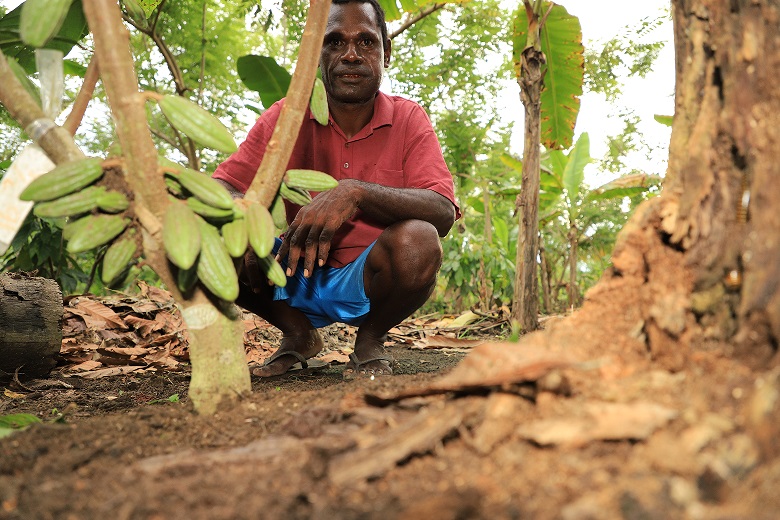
(82, 98)
(56, 142)
(269, 175)
(416, 18)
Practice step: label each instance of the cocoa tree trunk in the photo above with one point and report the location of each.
(30, 326)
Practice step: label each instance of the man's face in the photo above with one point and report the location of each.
(353, 55)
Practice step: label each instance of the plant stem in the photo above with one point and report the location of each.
(277, 154)
(82, 99)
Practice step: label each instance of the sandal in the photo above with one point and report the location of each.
(353, 369)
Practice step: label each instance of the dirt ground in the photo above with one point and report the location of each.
(577, 422)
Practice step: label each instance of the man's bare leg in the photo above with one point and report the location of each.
(298, 334)
(399, 277)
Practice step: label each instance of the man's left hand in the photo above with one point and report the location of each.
(312, 230)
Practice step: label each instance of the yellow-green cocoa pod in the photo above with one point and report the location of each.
(63, 180)
(181, 235)
(309, 180)
(204, 210)
(196, 123)
(174, 188)
(118, 257)
(186, 278)
(100, 229)
(279, 213)
(235, 236)
(70, 205)
(113, 202)
(215, 267)
(295, 195)
(319, 102)
(40, 20)
(273, 271)
(261, 230)
(73, 225)
(206, 189)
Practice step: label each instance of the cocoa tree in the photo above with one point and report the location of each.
(216, 348)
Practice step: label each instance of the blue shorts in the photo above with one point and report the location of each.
(330, 295)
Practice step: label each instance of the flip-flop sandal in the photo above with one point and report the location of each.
(303, 366)
(353, 372)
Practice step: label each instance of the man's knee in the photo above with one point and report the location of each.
(414, 252)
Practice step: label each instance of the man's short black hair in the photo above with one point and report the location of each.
(380, 14)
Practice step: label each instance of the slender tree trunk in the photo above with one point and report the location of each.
(484, 289)
(546, 300)
(573, 292)
(525, 307)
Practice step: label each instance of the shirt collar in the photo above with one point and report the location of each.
(383, 113)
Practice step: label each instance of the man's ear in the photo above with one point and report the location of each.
(388, 49)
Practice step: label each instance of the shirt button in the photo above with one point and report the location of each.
(346, 165)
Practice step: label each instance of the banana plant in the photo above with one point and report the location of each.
(549, 63)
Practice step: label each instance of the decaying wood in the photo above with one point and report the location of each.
(30, 326)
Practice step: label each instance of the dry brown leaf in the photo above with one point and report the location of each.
(142, 325)
(85, 366)
(96, 315)
(112, 371)
(127, 351)
(443, 341)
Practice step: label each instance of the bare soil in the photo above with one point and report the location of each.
(590, 419)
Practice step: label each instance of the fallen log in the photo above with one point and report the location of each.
(30, 326)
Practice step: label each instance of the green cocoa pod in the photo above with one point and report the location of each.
(100, 229)
(273, 271)
(73, 225)
(113, 202)
(235, 236)
(118, 258)
(295, 195)
(279, 213)
(135, 12)
(40, 20)
(309, 180)
(63, 180)
(319, 102)
(261, 230)
(204, 210)
(186, 278)
(70, 205)
(196, 123)
(204, 188)
(215, 267)
(181, 235)
(174, 187)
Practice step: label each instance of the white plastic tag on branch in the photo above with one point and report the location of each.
(51, 76)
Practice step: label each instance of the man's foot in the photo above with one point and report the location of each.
(369, 359)
(292, 350)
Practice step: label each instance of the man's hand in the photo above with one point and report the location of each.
(310, 234)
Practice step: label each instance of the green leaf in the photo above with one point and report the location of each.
(664, 120)
(579, 157)
(72, 68)
(18, 420)
(73, 29)
(561, 43)
(391, 9)
(616, 193)
(512, 162)
(263, 75)
(502, 231)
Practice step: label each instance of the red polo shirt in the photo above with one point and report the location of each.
(398, 148)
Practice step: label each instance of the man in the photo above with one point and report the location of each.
(366, 252)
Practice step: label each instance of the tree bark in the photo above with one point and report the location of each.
(30, 326)
(525, 307)
(573, 292)
(723, 188)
